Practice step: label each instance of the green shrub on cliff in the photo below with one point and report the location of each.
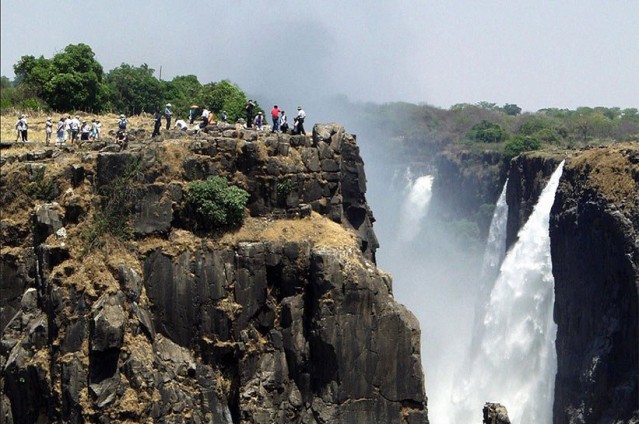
(519, 144)
(215, 204)
(487, 132)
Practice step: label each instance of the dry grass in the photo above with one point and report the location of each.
(37, 121)
(319, 230)
(611, 171)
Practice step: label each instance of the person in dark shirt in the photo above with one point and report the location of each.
(249, 113)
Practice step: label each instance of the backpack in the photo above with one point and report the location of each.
(122, 124)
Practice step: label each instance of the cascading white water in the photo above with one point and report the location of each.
(515, 360)
(496, 244)
(415, 206)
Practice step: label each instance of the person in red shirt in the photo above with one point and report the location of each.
(275, 114)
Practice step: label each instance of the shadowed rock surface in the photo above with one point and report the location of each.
(286, 319)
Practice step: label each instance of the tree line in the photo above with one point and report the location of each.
(420, 130)
(74, 80)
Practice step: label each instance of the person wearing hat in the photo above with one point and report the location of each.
(48, 129)
(75, 129)
(167, 115)
(223, 116)
(122, 123)
(85, 131)
(21, 128)
(299, 121)
(259, 121)
(192, 110)
(249, 113)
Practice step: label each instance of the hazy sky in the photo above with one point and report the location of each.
(537, 54)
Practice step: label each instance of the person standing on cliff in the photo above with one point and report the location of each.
(301, 115)
(48, 129)
(22, 127)
(275, 115)
(157, 122)
(167, 115)
(60, 133)
(283, 123)
(192, 110)
(249, 113)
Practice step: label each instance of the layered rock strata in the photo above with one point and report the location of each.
(286, 319)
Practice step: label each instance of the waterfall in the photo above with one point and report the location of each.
(514, 362)
(496, 244)
(415, 206)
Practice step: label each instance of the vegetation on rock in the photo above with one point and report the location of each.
(216, 204)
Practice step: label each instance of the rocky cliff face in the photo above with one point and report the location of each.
(286, 319)
(595, 255)
(594, 231)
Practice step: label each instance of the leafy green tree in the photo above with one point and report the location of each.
(32, 75)
(76, 81)
(521, 143)
(487, 132)
(181, 92)
(224, 95)
(487, 105)
(511, 109)
(534, 123)
(133, 90)
(7, 93)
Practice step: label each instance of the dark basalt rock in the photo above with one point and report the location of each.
(495, 413)
(184, 328)
(595, 256)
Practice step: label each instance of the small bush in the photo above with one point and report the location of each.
(487, 132)
(215, 204)
(521, 144)
(284, 188)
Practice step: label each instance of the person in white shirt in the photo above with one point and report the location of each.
(181, 124)
(22, 127)
(60, 133)
(299, 121)
(67, 128)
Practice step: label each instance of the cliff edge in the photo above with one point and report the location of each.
(286, 319)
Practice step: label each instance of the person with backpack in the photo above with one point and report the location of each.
(275, 116)
(122, 123)
(167, 115)
(223, 116)
(21, 127)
